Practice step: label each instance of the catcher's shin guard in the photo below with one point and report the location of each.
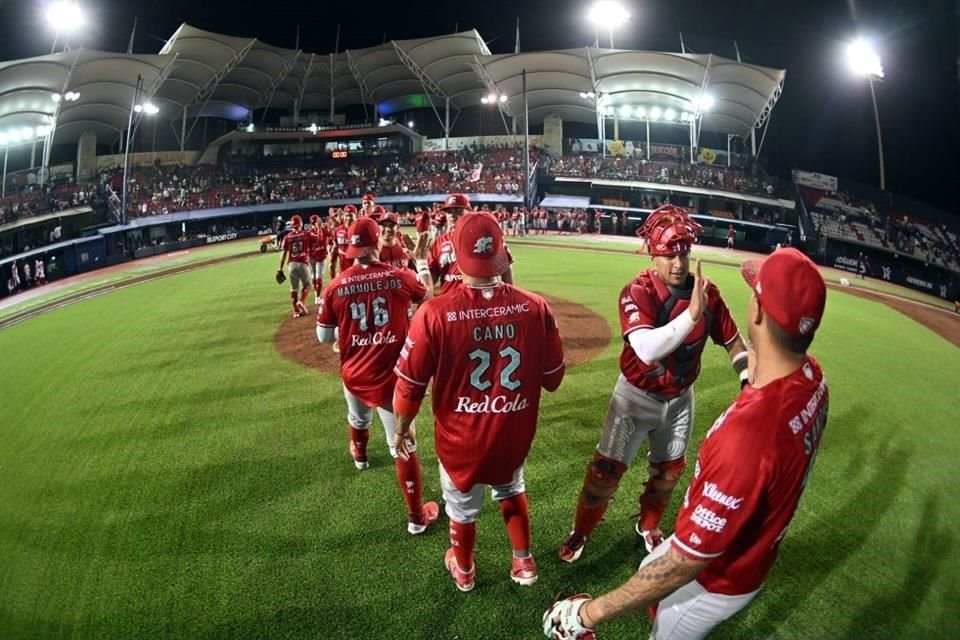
(599, 485)
(657, 491)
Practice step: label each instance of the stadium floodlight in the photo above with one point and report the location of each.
(27, 133)
(864, 60)
(410, 123)
(503, 98)
(484, 100)
(608, 15)
(56, 97)
(641, 112)
(65, 16)
(250, 128)
(669, 115)
(655, 113)
(3, 139)
(492, 98)
(44, 131)
(625, 111)
(71, 96)
(704, 102)
(14, 136)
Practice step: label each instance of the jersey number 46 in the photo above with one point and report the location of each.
(381, 313)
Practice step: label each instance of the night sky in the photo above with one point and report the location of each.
(823, 122)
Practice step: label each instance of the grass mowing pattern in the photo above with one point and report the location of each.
(165, 473)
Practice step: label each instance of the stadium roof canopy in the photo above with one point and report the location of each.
(104, 81)
(742, 94)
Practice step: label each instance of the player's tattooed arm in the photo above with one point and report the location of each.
(738, 359)
(651, 584)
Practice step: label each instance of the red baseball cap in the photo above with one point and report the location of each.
(367, 197)
(389, 216)
(364, 235)
(456, 201)
(350, 209)
(478, 243)
(789, 288)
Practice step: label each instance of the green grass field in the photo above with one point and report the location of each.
(165, 474)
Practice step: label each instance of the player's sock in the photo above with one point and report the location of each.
(317, 287)
(463, 536)
(516, 515)
(360, 437)
(652, 505)
(588, 516)
(411, 485)
(304, 292)
(293, 298)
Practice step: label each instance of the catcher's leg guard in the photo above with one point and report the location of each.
(657, 491)
(599, 485)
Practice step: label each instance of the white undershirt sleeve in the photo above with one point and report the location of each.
(652, 345)
(327, 334)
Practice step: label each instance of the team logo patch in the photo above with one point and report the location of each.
(451, 316)
(487, 294)
(355, 240)
(634, 317)
(483, 245)
(806, 324)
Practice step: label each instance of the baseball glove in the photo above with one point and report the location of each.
(281, 276)
(562, 620)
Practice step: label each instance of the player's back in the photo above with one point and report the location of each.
(369, 304)
(298, 242)
(443, 262)
(769, 438)
(493, 345)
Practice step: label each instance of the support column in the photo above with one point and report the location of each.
(753, 142)
(690, 127)
(3, 188)
(729, 159)
(526, 146)
(446, 125)
(33, 153)
(648, 139)
(86, 157)
(183, 130)
(616, 128)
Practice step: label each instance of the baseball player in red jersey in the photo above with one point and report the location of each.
(393, 250)
(318, 254)
(751, 471)
(731, 236)
(442, 261)
(439, 222)
(666, 315)
(490, 349)
(367, 205)
(365, 310)
(341, 240)
(297, 245)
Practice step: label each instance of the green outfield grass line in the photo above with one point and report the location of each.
(720, 257)
(121, 273)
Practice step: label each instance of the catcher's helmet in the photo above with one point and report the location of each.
(669, 230)
(456, 201)
(296, 221)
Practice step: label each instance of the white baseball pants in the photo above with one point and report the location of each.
(465, 506)
(360, 416)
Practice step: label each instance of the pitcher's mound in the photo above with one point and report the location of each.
(585, 335)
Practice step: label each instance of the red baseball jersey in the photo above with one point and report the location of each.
(439, 219)
(750, 473)
(298, 244)
(489, 351)
(396, 256)
(443, 262)
(647, 303)
(369, 304)
(320, 242)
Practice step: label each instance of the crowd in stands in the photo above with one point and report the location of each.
(842, 216)
(30, 199)
(706, 176)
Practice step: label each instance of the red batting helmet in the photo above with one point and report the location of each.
(669, 230)
(456, 201)
(296, 221)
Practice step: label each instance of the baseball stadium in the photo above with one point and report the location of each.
(278, 310)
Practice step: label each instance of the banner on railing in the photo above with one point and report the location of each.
(436, 144)
(815, 180)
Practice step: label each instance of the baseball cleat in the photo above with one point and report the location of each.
(572, 547)
(431, 511)
(523, 571)
(652, 538)
(464, 579)
(302, 310)
(360, 462)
